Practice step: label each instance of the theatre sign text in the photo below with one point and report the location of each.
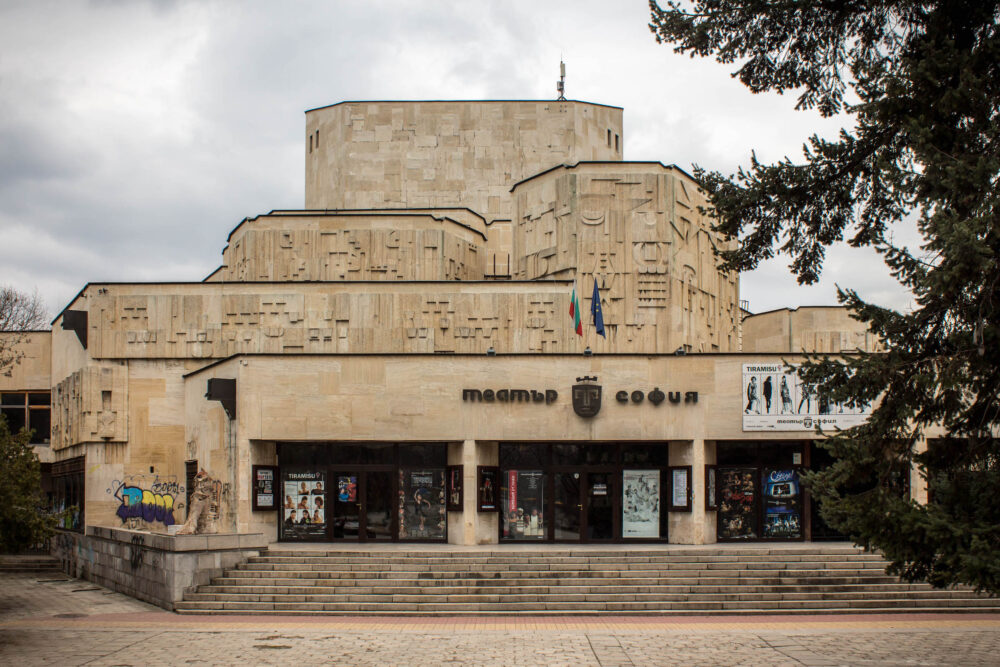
(586, 396)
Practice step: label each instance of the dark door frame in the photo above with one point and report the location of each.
(614, 472)
(393, 467)
(759, 509)
(361, 472)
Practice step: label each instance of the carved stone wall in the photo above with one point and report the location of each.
(636, 228)
(90, 405)
(808, 329)
(33, 350)
(214, 320)
(433, 154)
(282, 247)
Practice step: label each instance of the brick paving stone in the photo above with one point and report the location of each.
(23, 595)
(55, 620)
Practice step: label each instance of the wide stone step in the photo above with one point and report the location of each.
(830, 591)
(532, 566)
(658, 575)
(750, 580)
(429, 598)
(557, 560)
(538, 579)
(587, 606)
(29, 563)
(728, 552)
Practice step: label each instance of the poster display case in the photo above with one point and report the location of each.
(304, 506)
(264, 488)
(737, 497)
(782, 497)
(487, 488)
(524, 514)
(680, 488)
(422, 504)
(456, 495)
(711, 493)
(641, 491)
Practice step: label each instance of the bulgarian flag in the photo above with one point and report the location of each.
(574, 312)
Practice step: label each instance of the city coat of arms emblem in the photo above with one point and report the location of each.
(586, 397)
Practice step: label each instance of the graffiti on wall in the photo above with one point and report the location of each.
(147, 501)
(135, 557)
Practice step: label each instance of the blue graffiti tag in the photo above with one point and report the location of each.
(144, 504)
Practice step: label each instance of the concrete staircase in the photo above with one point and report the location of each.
(40, 563)
(710, 580)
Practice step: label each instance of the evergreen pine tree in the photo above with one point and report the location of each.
(23, 520)
(921, 84)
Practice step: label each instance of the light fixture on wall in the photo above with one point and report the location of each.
(490, 352)
(588, 352)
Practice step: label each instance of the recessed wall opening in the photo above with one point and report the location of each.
(377, 491)
(584, 492)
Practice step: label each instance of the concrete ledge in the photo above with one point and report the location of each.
(178, 543)
(153, 567)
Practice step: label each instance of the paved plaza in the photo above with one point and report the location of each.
(50, 619)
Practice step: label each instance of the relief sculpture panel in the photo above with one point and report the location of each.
(632, 228)
(357, 317)
(283, 248)
(90, 405)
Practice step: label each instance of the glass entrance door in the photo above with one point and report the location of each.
(361, 505)
(601, 493)
(586, 506)
(378, 505)
(568, 506)
(345, 519)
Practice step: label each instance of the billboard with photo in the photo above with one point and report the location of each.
(774, 399)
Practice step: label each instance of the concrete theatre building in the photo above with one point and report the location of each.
(398, 361)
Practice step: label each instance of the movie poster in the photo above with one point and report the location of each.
(488, 488)
(455, 488)
(524, 505)
(422, 504)
(775, 400)
(264, 490)
(641, 503)
(737, 488)
(347, 488)
(679, 489)
(304, 507)
(710, 503)
(782, 504)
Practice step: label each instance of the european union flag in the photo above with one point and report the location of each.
(595, 310)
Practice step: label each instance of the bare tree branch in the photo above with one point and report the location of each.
(19, 314)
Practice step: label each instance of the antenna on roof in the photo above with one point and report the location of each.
(561, 83)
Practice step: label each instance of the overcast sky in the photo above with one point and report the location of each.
(134, 135)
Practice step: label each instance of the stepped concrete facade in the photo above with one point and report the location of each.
(398, 361)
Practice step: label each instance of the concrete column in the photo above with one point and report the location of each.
(462, 525)
(470, 527)
(702, 520)
(681, 524)
(487, 523)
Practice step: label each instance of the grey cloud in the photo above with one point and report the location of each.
(132, 174)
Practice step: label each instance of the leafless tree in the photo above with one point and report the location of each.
(19, 314)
